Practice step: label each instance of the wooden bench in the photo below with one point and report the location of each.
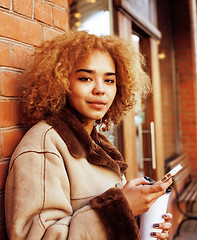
(188, 192)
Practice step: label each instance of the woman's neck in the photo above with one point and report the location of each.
(89, 126)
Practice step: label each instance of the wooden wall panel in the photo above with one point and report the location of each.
(129, 130)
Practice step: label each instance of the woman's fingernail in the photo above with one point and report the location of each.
(153, 234)
(156, 225)
(147, 178)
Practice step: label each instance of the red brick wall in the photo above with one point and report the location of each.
(24, 25)
(186, 73)
(175, 23)
(166, 74)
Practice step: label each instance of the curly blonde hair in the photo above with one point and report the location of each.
(47, 81)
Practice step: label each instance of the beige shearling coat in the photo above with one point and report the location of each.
(63, 185)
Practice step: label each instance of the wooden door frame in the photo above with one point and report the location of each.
(128, 123)
(123, 26)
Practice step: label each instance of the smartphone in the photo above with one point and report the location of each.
(171, 173)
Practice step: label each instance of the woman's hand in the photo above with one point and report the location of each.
(165, 226)
(141, 195)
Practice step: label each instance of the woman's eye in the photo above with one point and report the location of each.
(110, 81)
(84, 79)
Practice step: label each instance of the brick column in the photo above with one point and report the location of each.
(24, 25)
(186, 71)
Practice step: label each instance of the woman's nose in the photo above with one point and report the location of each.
(98, 88)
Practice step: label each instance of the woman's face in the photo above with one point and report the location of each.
(93, 85)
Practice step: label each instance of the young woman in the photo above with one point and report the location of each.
(66, 180)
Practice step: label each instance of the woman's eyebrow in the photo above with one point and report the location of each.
(110, 74)
(85, 70)
(92, 71)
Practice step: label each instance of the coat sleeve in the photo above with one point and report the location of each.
(37, 203)
(37, 197)
(107, 217)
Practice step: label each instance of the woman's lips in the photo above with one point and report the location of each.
(97, 104)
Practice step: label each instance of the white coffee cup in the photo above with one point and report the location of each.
(154, 215)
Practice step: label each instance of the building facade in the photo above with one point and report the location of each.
(158, 129)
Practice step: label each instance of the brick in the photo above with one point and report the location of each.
(21, 56)
(19, 28)
(16, 111)
(60, 18)
(5, 3)
(23, 7)
(4, 53)
(43, 12)
(5, 114)
(11, 140)
(61, 3)
(49, 33)
(3, 174)
(9, 83)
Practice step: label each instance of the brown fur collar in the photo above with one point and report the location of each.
(80, 144)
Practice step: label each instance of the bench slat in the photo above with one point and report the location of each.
(194, 197)
(191, 193)
(176, 161)
(187, 191)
